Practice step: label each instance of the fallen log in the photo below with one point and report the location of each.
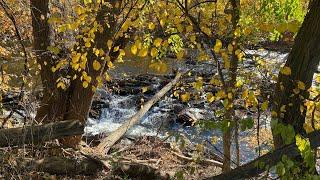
(40, 133)
(140, 171)
(110, 140)
(63, 166)
(251, 169)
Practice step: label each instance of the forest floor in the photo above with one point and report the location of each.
(153, 157)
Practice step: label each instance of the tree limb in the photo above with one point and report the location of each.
(251, 169)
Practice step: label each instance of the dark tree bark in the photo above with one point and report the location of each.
(303, 61)
(73, 103)
(52, 105)
(227, 136)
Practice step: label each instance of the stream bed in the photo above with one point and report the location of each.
(161, 119)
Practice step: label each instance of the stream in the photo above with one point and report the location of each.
(161, 118)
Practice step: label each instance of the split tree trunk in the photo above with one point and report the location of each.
(73, 103)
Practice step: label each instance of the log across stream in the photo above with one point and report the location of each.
(127, 97)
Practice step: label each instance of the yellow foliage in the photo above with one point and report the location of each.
(134, 49)
(285, 70)
(96, 65)
(157, 42)
(185, 97)
(154, 52)
(217, 46)
(143, 52)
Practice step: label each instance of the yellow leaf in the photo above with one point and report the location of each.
(301, 85)
(157, 42)
(115, 49)
(154, 52)
(198, 85)
(308, 127)
(96, 65)
(239, 83)
(122, 52)
(61, 85)
(109, 44)
(220, 94)
(285, 70)
(230, 48)
(143, 52)
(217, 46)
(107, 77)
(185, 97)
(110, 65)
(215, 82)
(180, 28)
(210, 97)
(265, 105)
(151, 26)
(85, 84)
(318, 78)
(144, 89)
(189, 28)
(226, 60)
(87, 44)
(180, 55)
(134, 49)
(193, 38)
(53, 69)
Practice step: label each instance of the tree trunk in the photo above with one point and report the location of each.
(303, 61)
(73, 103)
(227, 135)
(53, 106)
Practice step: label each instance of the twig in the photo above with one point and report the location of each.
(206, 161)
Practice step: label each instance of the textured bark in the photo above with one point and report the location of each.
(64, 166)
(73, 103)
(52, 104)
(227, 135)
(251, 169)
(303, 61)
(40, 133)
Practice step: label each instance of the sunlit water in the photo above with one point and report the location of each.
(160, 119)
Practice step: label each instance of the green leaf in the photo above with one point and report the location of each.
(54, 50)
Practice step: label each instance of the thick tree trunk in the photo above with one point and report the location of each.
(73, 103)
(53, 106)
(303, 61)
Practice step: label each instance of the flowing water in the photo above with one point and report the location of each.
(160, 119)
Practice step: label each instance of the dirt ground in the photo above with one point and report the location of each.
(143, 158)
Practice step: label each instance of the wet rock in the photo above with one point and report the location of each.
(190, 116)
